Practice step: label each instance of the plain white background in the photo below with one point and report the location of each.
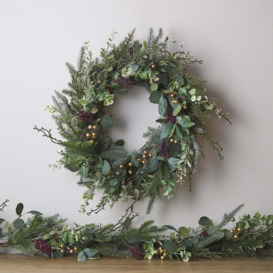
(233, 38)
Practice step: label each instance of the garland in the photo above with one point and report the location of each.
(51, 237)
(170, 155)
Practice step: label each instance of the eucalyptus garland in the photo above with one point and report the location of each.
(52, 237)
(170, 155)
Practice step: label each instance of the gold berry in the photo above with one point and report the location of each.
(130, 164)
(139, 159)
(174, 101)
(150, 155)
(165, 254)
(185, 107)
(232, 219)
(143, 162)
(172, 95)
(90, 127)
(156, 252)
(145, 152)
(53, 247)
(99, 81)
(232, 231)
(94, 137)
(162, 257)
(88, 135)
(75, 248)
(153, 66)
(94, 134)
(161, 251)
(239, 229)
(176, 141)
(92, 141)
(121, 166)
(71, 251)
(160, 248)
(62, 251)
(62, 246)
(95, 127)
(171, 140)
(130, 172)
(236, 236)
(117, 173)
(144, 156)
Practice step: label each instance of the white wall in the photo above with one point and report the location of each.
(233, 37)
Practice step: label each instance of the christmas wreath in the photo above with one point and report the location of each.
(170, 155)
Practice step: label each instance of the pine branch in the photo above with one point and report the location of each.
(227, 217)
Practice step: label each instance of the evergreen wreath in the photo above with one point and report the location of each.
(170, 155)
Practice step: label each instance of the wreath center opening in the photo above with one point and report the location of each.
(133, 114)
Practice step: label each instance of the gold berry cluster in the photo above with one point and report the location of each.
(162, 252)
(235, 231)
(175, 100)
(146, 155)
(93, 133)
(64, 249)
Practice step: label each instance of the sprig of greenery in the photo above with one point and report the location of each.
(170, 155)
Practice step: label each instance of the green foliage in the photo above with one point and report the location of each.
(95, 84)
(253, 236)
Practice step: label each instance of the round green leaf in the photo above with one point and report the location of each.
(204, 221)
(170, 245)
(107, 122)
(18, 224)
(155, 96)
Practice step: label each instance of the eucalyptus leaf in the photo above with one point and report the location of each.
(155, 96)
(152, 165)
(177, 110)
(18, 224)
(84, 170)
(133, 67)
(106, 167)
(166, 130)
(186, 243)
(154, 86)
(107, 122)
(183, 231)
(170, 227)
(156, 139)
(2, 220)
(162, 106)
(172, 162)
(81, 257)
(35, 212)
(90, 252)
(19, 209)
(170, 245)
(178, 132)
(204, 221)
(114, 181)
(184, 122)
